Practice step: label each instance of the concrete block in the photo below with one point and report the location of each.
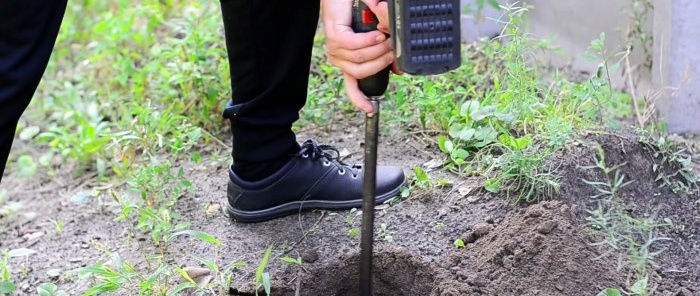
(676, 63)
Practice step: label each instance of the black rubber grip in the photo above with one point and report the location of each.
(365, 21)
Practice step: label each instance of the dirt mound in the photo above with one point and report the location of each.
(658, 190)
(540, 250)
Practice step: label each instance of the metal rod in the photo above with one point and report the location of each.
(368, 195)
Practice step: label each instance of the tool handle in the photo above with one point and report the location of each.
(364, 20)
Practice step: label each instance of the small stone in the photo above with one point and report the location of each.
(433, 164)
(508, 262)
(53, 273)
(309, 256)
(547, 227)
(213, 209)
(75, 260)
(481, 229)
(464, 190)
(462, 274)
(381, 207)
(199, 275)
(559, 287)
(489, 220)
(478, 281)
(32, 236)
(343, 153)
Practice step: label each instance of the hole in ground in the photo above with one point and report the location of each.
(396, 273)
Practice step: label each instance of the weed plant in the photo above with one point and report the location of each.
(622, 233)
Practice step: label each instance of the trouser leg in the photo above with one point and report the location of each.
(28, 30)
(269, 49)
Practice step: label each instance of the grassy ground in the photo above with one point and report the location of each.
(133, 90)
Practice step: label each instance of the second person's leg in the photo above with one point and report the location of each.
(28, 30)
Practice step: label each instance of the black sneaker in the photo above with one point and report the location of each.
(314, 178)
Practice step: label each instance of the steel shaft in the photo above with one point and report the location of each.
(368, 196)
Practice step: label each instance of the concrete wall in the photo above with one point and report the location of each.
(676, 62)
(574, 23)
(577, 23)
(675, 25)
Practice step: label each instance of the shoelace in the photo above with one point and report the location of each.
(329, 154)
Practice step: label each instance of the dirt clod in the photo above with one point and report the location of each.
(309, 256)
(684, 292)
(482, 229)
(547, 227)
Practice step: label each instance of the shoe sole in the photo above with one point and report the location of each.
(299, 206)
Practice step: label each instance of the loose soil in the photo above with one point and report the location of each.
(539, 249)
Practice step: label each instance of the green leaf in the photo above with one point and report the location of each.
(266, 282)
(640, 287)
(482, 113)
(609, 292)
(523, 142)
(180, 287)
(506, 140)
(405, 192)
(469, 107)
(263, 264)
(102, 288)
(291, 260)
(420, 174)
(7, 287)
(28, 133)
(494, 4)
(459, 154)
(461, 132)
(441, 143)
(185, 275)
(200, 235)
(449, 146)
(459, 243)
(21, 252)
(26, 167)
(492, 185)
(196, 157)
(156, 274)
(47, 289)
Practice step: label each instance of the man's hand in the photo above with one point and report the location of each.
(358, 55)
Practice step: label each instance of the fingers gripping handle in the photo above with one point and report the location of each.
(363, 20)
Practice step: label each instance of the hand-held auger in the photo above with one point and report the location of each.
(425, 37)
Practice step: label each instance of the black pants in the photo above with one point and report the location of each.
(269, 45)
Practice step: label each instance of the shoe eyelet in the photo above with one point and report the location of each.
(326, 163)
(354, 176)
(305, 155)
(341, 172)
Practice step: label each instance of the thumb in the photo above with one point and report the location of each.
(381, 10)
(356, 96)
